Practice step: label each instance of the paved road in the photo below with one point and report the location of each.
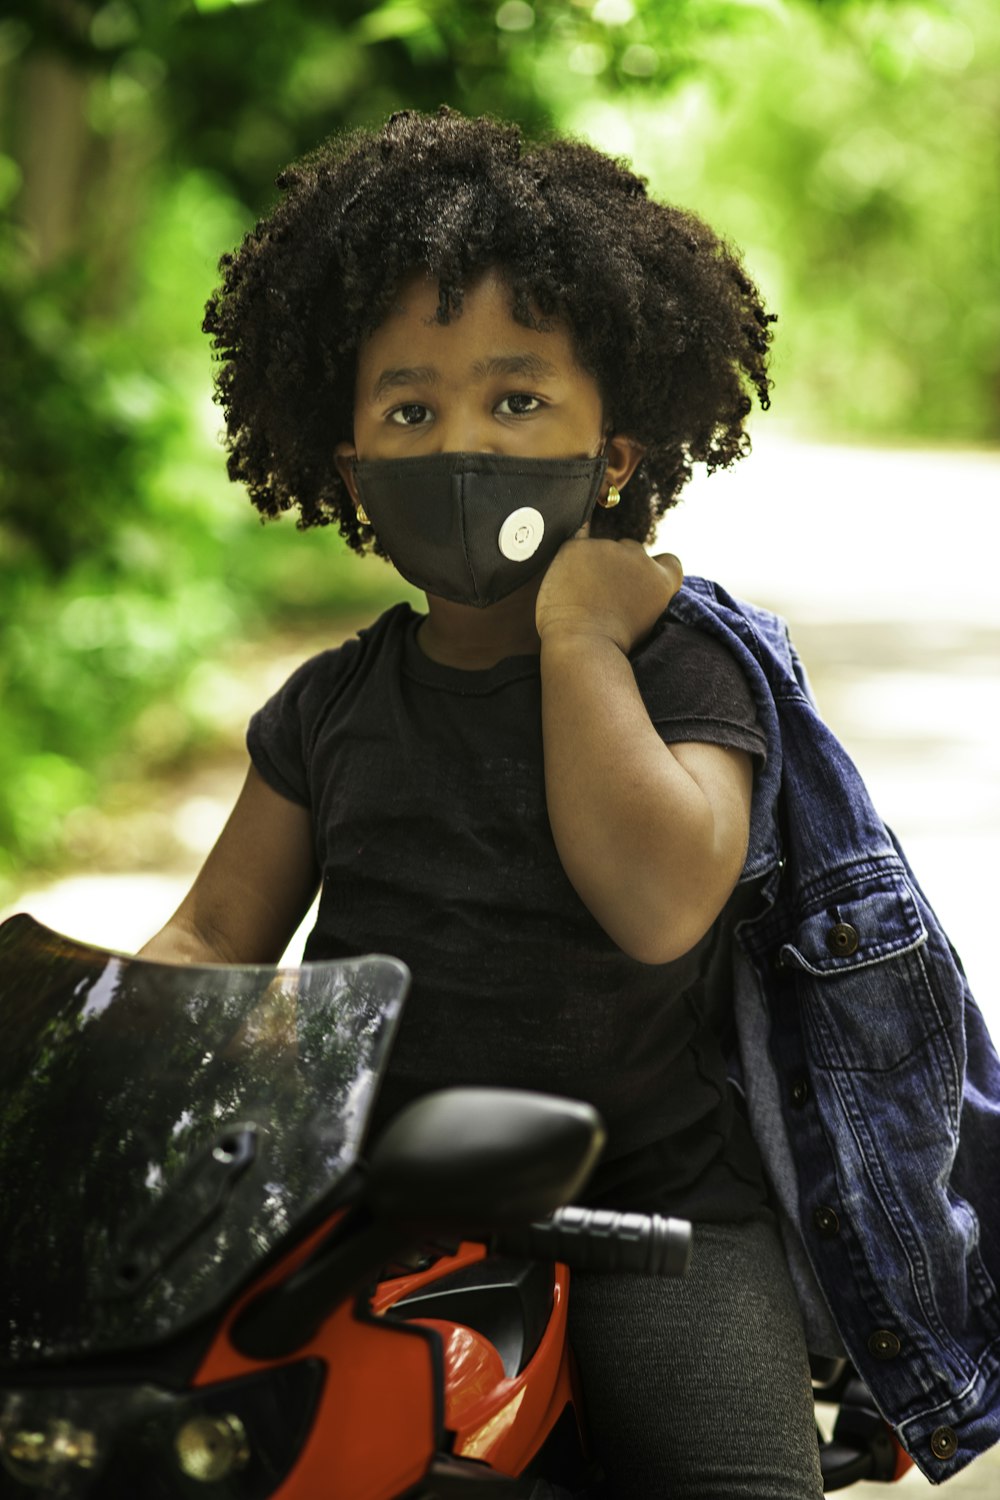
(883, 563)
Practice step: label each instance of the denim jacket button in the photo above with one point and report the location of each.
(842, 939)
(826, 1222)
(799, 1092)
(944, 1442)
(883, 1343)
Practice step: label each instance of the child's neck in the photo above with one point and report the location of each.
(458, 635)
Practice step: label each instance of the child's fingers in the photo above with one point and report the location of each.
(672, 565)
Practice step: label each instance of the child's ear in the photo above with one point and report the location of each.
(343, 456)
(624, 456)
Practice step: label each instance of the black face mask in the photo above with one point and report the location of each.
(473, 527)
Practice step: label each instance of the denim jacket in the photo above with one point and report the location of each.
(872, 1084)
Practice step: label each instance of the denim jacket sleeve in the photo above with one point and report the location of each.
(872, 1083)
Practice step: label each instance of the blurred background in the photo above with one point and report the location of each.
(850, 147)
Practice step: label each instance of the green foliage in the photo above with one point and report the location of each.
(852, 164)
(125, 554)
(848, 145)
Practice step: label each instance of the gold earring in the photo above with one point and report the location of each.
(611, 499)
(361, 514)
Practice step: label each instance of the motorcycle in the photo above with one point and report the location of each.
(215, 1286)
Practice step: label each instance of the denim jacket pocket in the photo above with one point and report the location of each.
(868, 999)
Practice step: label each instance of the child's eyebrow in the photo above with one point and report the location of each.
(404, 375)
(497, 364)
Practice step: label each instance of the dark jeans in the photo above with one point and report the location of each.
(699, 1388)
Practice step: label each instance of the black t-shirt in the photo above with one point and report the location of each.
(426, 789)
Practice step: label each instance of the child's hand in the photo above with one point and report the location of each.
(598, 587)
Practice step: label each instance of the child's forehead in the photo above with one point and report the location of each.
(419, 295)
(485, 322)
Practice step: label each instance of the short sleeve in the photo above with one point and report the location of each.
(693, 689)
(281, 734)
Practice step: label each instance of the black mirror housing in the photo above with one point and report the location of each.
(480, 1159)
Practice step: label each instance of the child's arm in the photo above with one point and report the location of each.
(652, 836)
(253, 890)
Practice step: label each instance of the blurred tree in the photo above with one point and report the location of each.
(140, 138)
(856, 164)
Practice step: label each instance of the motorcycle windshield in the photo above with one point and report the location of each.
(165, 1127)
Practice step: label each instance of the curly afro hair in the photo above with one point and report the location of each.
(661, 311)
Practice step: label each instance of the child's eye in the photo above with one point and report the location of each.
(518, 404)
(410, 415)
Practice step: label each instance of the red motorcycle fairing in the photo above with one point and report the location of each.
(508, 1375)
(405, 1396)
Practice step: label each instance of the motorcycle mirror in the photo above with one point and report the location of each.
(480, 1159)
(463, 1160)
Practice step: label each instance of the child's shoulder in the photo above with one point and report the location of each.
(391, 626)
(321, 677)
(680, 660)
(681, 645)
(366, 644)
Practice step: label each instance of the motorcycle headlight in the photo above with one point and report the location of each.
(233, 1441)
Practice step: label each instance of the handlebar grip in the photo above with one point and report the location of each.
(597, 1239)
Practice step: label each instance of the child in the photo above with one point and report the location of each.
(496, 368)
